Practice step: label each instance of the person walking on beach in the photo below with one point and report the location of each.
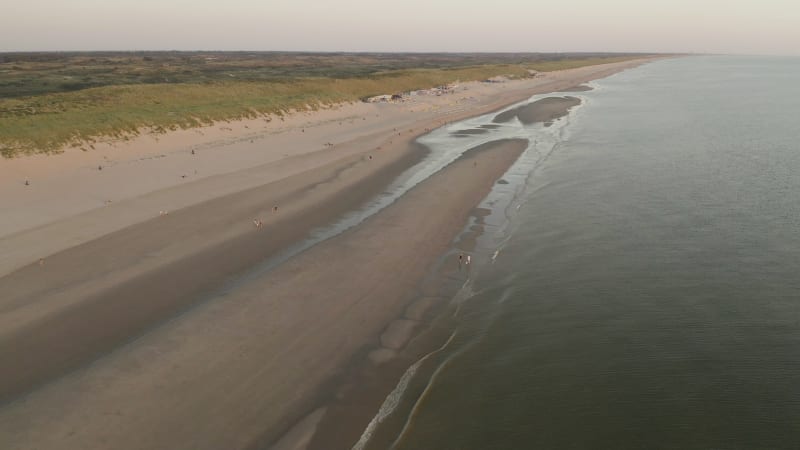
(460, 259)
(469, 259)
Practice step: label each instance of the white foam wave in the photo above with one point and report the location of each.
(393, 399)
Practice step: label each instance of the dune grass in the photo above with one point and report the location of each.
(49, 122)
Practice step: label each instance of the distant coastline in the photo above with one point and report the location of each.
(50, 102)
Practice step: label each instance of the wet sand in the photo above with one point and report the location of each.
(579, 88)
(164, 265)
(353, 419)
(543, 111)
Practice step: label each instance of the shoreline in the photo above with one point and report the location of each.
(182, 336)
(420, 333)
(357, 416)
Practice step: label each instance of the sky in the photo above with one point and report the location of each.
(675, 26)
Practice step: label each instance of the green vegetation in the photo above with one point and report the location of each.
(199, 89)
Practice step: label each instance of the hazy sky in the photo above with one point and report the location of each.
(715, 26)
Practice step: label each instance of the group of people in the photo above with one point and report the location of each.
(258, 223)
(464, 259)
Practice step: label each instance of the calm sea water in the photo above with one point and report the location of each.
(645, 292)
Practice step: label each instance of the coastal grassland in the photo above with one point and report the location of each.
(49, 121)
(29, 74)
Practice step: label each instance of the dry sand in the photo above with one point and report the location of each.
(238, 369)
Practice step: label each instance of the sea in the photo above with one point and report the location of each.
(637, 281)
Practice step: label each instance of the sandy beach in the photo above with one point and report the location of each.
(115, 329)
